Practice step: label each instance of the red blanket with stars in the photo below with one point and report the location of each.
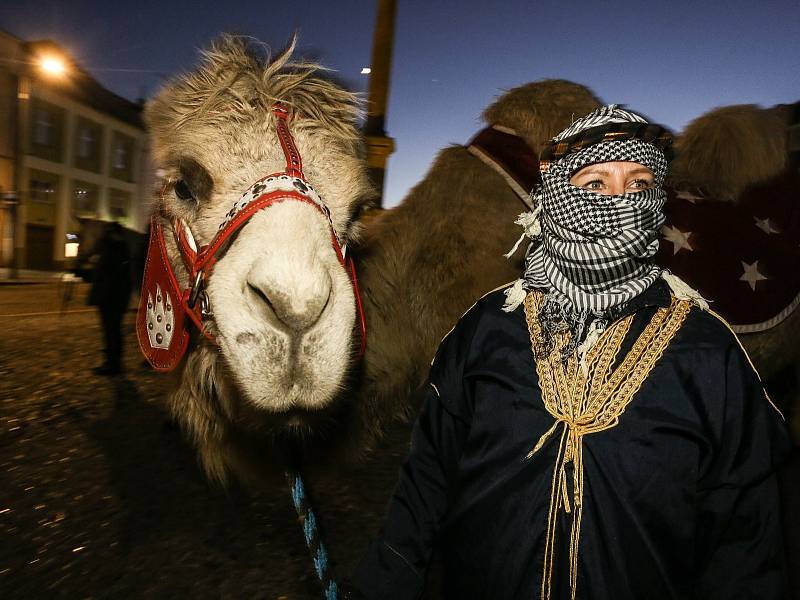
(744, 259)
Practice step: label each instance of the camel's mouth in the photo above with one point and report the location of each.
(298, 424)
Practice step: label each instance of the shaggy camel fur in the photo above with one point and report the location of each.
(728, 149)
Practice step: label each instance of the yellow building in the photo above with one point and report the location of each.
(69, 148)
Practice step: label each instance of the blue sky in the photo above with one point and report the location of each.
(672, 61)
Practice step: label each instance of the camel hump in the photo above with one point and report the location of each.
(731, 148)
(538, 111)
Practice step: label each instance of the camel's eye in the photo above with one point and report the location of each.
(183, 191)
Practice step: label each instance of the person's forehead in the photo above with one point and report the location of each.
(618, 165)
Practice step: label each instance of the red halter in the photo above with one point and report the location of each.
(161, 324)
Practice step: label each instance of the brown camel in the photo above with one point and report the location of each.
(738, 165)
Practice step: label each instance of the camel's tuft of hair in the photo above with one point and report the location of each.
(538, 111)
(728, 149)
(238, 80)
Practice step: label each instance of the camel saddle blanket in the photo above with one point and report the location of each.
(743, 258)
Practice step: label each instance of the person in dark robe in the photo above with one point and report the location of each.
(110, 292)
(592, 431)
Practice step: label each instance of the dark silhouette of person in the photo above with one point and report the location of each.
(110, 292)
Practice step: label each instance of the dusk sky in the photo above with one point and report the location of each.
(672, 60)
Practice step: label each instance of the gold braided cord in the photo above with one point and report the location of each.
(588, 399)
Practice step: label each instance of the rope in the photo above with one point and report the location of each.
(308, 522)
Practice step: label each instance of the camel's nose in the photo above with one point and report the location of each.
(297, 298)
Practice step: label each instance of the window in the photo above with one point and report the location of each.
(121, 159)
(42, 198)
(120, 156)
(42, 127)
(86, 142)
(84, 199)
(42, 191)
(46, 130)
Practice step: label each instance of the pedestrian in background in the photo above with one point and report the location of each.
(111, 290)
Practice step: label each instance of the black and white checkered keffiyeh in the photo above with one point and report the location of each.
(592, 253)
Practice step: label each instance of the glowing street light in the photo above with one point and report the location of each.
(366, 71)
(52, 65)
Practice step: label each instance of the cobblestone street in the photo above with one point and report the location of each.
(101, 497)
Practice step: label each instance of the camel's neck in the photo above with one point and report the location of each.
(424, 263)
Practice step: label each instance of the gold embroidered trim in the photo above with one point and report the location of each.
(588, 400)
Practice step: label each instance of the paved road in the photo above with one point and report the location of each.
(101, 497)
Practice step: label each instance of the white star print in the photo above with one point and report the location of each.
(679, 239)
(765, 226)
(751, 274)
(688, 196)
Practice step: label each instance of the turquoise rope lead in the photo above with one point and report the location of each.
(313, 540)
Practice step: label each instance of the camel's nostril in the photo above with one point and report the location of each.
(299, 309)
(260, 293)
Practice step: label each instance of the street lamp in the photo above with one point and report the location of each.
(52, 65)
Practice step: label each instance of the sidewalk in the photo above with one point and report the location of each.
(27, 276)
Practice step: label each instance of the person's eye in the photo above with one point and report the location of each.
(641, 184)
(594, 184)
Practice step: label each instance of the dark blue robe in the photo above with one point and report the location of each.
(680, 497)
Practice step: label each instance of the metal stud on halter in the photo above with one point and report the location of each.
(192, 302)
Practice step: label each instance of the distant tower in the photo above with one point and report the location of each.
(379, 145)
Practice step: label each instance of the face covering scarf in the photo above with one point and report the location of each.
(591, 253)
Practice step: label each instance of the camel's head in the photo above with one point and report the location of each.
(283, 304)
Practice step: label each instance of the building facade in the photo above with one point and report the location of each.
(69, 149)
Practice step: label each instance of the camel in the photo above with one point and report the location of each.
(738, 161)
(284, 364)
(283, 307)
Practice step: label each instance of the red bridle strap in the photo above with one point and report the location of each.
(294, 164)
